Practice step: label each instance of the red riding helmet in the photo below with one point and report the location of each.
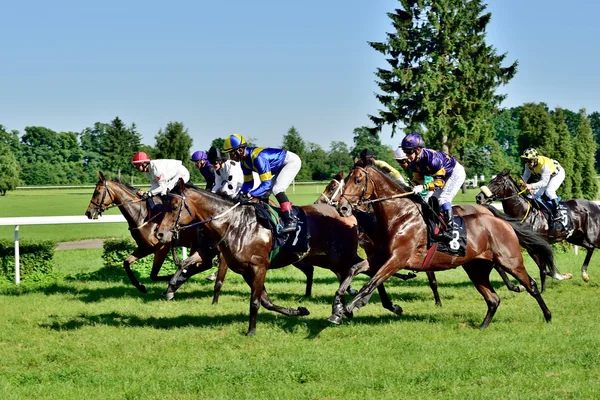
(140, 158)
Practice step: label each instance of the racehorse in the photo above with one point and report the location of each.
(332, 193)
(401, 228)
(142, 229)
(245, 245)
(586, 216)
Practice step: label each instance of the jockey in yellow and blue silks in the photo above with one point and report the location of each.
(277, 169)
(551, 176)
(447, 173)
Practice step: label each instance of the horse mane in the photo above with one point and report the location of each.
(208, 193)
(403, 187)
(129, 187)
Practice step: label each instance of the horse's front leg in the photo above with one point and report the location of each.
(159, 259)
(222, 271)
(392, 265)
(337, 309)
(136, 255)
(195, 263)
(254, 276)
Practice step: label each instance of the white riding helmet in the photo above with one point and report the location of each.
(399, 154)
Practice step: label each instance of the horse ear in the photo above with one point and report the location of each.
(181, 184)
(339, 175)
(101, 176)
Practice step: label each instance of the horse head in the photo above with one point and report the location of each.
(333, 190)
(358, 187)
(500, 187)
(173, 217)
(101, 199)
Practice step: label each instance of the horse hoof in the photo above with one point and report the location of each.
(168, 296)
(302, 311)
(251, 332)
(142, 289)
(585, 277)
(519, 289)
(568, 275)
(349, 314)
(335, 319)
(396, 309)
(352, 291)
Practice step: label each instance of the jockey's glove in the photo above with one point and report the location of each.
(243, 198)
(418, 189)
(146, 196)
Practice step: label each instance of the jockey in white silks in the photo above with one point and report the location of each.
(162, 174)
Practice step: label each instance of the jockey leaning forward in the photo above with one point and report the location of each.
(551, 176)
(448, 175)
(368, 156)
(207, 170)
(276, 168)
(229, 176)
(162, 174)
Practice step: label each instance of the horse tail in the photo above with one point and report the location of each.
(530, 240)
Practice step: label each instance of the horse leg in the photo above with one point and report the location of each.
(308, 270)
(136, 255)
(392, 265)
(222, 271)
(290, 312)
(254, 276)
(479, 273)
(584, 267)
(338, 307)
(192, 265)
(509, 285)
(549, 270)
(520, 273)
(386, 302)
(434, 288)
(159, 259)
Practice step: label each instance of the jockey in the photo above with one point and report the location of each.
(402, 161)
(162, 174)
(228, 173)
(551, 176)
(368, 156)
(448, 175)
(276, 168)
(205, 167)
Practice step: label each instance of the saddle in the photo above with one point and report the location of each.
(564, 223)
(270, 218)
(458, 245)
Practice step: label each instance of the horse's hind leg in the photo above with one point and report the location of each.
(509, 285)
(586, 262)
(308, 270)
(434, 288)
(136, 255)
(479, 273)
(290, 312)
(386, 302)
(220, 279)
(337, 309)
(195, 263)
(520, 273)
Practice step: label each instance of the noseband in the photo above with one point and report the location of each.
(339, 189)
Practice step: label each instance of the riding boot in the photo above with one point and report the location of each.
(289, 222)
(555, 205)
(448, 216)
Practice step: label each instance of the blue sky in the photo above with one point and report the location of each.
(255, 68)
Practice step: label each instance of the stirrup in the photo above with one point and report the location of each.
(287, 228)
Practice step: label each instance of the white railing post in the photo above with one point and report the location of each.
(184, 253)
(17, 261)
(576, 249)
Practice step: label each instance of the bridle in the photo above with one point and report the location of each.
(101, 206)
(337, 191)
(364, 191)
(495, 197)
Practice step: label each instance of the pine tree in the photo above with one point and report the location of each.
(443, 76)
(564, 152)
(174, 142)
(585, 152)
(538, 129)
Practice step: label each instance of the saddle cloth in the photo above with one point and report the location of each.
(270, 218)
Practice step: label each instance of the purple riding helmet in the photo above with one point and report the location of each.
(199, 155)
(412, 141)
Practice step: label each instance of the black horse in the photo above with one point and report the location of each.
(586, 216)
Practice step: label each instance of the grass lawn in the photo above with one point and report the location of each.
(72, 339)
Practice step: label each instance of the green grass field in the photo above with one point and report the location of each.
(74, 338)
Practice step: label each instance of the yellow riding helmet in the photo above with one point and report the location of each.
(233, 142)
(530, 154)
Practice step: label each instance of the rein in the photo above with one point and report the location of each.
(102, 207)
(177, 227)
(330, 201)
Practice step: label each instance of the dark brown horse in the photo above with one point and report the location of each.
(142, 229)
(245, 245)
(401, 228)
(586, 216)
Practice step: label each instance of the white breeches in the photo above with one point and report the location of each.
(287, 173)
(452, 185)
(553, 185)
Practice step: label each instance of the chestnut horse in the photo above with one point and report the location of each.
(586, 216)
(245, 245)
(401, 228)
(332, 193)
(108, 193)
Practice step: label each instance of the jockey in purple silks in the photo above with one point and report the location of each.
(205, 167)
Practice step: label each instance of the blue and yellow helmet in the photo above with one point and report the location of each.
(234, 142)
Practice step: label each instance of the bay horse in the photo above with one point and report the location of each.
(112, 193)
(403, 232)
(332, 194)
(245, 245)
(586, 216)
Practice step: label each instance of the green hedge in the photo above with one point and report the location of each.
(35, 259)
(115, 252)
